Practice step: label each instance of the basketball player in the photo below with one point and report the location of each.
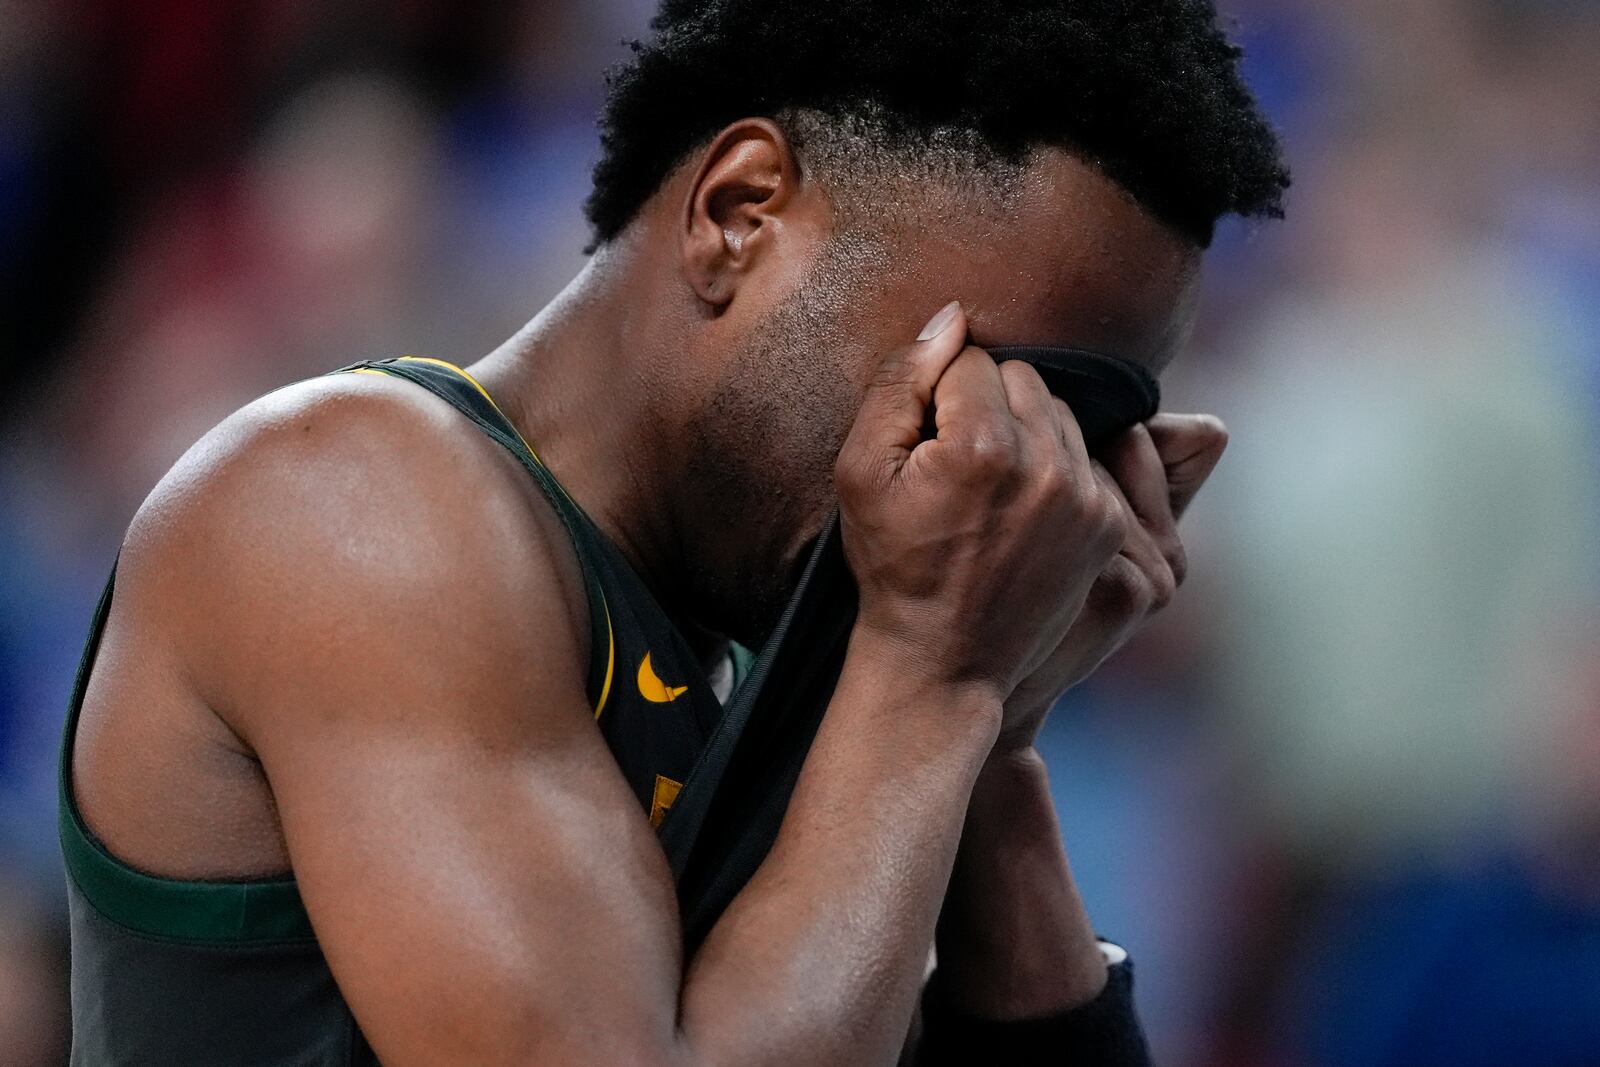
(402, 665)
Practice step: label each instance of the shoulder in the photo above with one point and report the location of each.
(349, 511)
(344, 439)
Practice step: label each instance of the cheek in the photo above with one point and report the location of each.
(810, 405)
(777, 423)
(806, 364)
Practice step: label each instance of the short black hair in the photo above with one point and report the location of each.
(1148, 91)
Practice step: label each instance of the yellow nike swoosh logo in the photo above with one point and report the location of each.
(654, 689)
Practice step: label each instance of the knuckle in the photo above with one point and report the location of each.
(1066, 420)
(1056, 483)
(1216, 429)
(1016, 372)
(1118, 591)
(1103, 514)
(1178, 562)
(1115, 526)
(893, 369)
(1163, 587)
(970, 359)
(992, 451)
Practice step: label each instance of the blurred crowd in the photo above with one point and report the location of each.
(1342, 802)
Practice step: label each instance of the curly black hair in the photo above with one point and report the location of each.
(1148, 91)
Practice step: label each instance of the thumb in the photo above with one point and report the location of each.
(895, 408)
(1189, 446)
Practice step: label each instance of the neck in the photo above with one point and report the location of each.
(671, 444)
(577, 382)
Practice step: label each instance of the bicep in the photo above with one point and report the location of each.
(479, 900)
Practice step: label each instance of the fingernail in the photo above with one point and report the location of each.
(940, 322)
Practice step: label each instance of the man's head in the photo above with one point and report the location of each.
(810, 181)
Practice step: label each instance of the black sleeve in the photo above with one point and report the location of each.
(1103, 1033)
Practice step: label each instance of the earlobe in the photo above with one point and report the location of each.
(733, 213)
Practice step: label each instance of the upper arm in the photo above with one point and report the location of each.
(384, 614)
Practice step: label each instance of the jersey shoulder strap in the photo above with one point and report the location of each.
(729, 770)
(462, 391)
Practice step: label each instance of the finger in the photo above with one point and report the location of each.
(1134, 462)
(1150, 583)
(1136, 466)
(1067, 426)
(1041, 417)
(895, 407)
(1190, 447)
(969, 400)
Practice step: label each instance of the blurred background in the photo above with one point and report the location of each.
(1342, 802)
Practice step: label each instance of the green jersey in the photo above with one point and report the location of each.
(169, 972)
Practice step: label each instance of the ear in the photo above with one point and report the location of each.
(733, 217)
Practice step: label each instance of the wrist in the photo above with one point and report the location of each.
(1014, 939)
(1104, 1030)
(1014, 764)
(909, 674)
(893, 693)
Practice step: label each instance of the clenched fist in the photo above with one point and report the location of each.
(973, 520)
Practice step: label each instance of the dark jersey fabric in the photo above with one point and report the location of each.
(176, 973)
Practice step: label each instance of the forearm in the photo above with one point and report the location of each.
(1014, 941)
(821, 958)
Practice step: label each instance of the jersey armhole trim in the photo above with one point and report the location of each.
(265, 911)
(494, 423)
(254, 911)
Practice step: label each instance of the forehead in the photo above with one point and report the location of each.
(1068, 258)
